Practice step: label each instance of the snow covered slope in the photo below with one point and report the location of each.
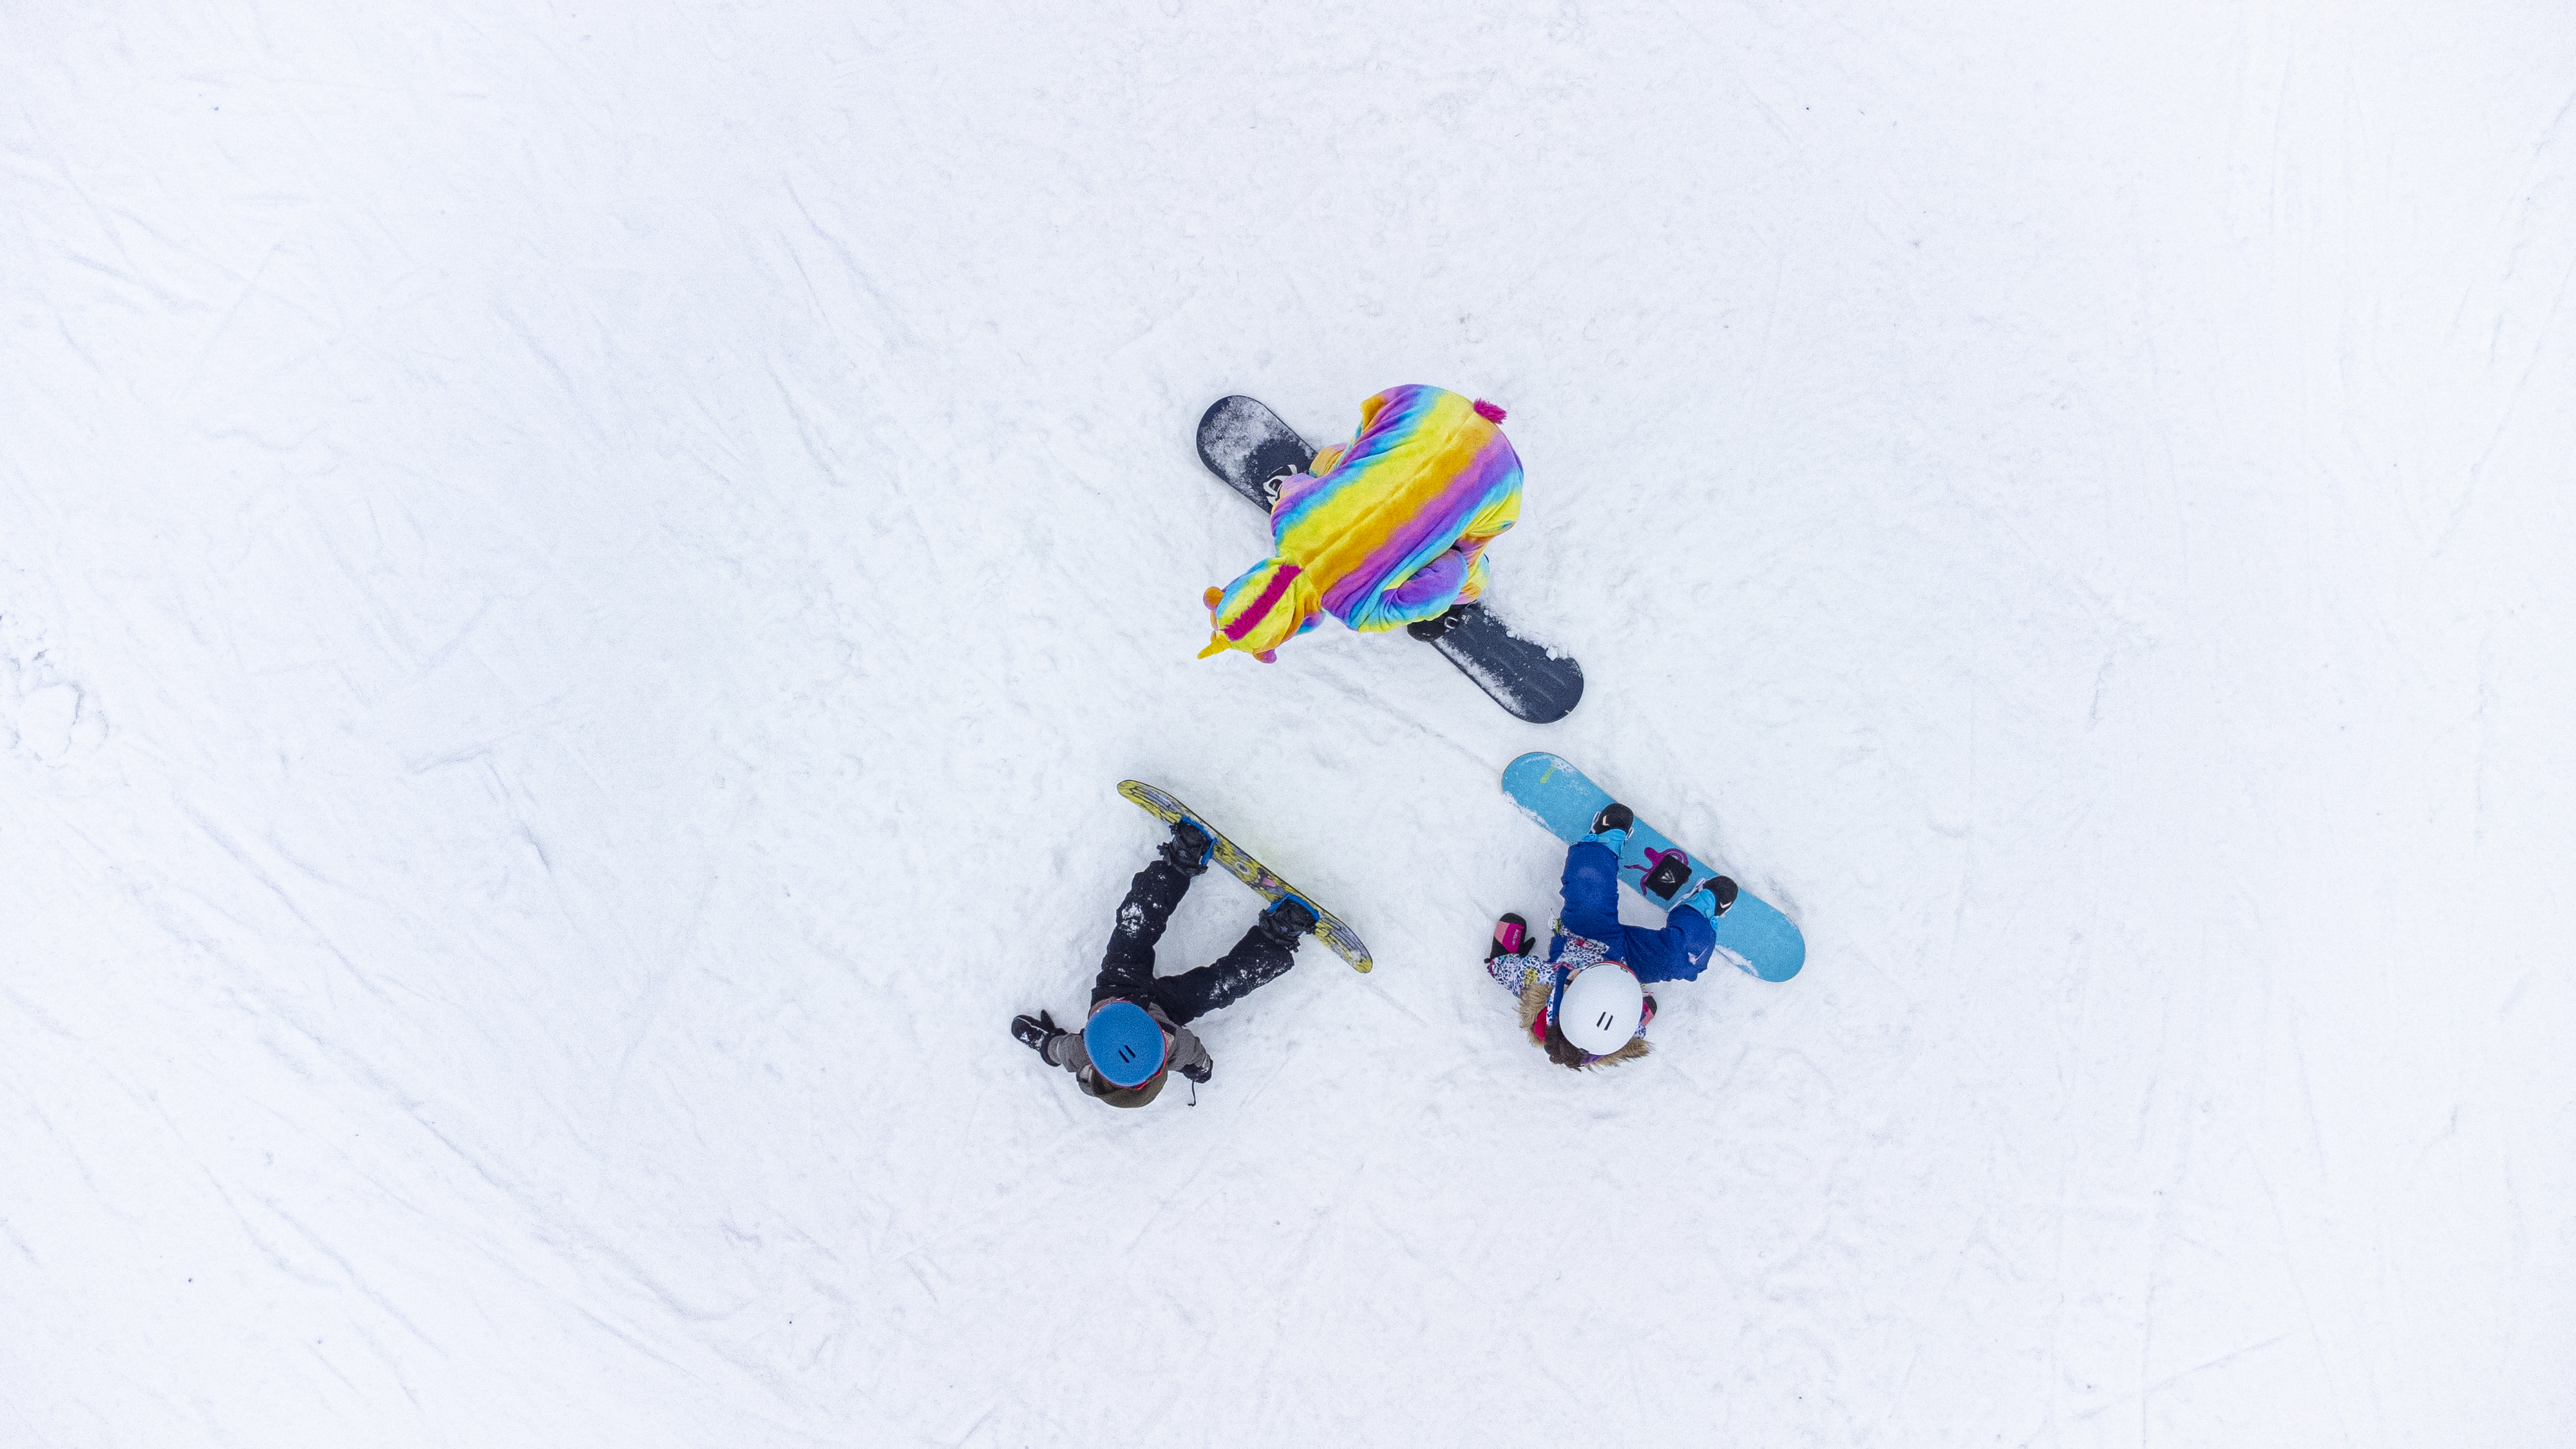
(575, 588)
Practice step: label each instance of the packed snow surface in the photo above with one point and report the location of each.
(576, 585)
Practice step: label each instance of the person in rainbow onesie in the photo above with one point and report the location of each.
(1389, 528)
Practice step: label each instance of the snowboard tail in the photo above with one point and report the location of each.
(1244, 443)
(1250, 450)
(1163, 806)
(1527, 681)
(1753, 933)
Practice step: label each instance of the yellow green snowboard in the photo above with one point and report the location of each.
(1328, 927)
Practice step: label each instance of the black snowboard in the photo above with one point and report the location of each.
(1245, 444)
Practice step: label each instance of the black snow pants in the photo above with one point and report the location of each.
(1127, 969)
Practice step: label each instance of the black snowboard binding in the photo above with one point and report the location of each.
(1288, 919)
(1189, 848)
(1667, 878)
(1428, 630)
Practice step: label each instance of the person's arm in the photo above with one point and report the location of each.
(1190, 1055)
(1453, 576)
(1066, 1051)
(1492, 520)
(1427, 593)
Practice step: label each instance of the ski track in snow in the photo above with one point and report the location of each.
(575, 589)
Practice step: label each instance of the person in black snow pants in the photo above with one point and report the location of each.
(1139, 1029)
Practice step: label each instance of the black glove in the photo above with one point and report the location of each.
(1036, 1032)
(1199, 1073)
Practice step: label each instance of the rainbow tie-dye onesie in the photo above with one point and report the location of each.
(1386, 529)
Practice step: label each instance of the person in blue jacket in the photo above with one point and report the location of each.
(1586, 1004)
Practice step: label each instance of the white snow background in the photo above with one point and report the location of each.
(575, 587)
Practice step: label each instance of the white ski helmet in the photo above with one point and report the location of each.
(1601, 1008)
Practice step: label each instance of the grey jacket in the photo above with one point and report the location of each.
(1186, 1053)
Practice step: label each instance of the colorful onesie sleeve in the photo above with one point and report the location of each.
(1426, 595)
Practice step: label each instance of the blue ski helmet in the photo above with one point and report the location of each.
(1125, 1045)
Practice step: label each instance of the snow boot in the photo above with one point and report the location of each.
(1713, 897)
(1511, 938)
(1611, 827)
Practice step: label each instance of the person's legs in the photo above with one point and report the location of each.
(1127, 967)
(1591, 891)
(1675, 953)
(1263, 955)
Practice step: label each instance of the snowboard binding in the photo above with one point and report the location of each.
(1189, 848)
(1669, 875)
(1288, 919)
(1428, 630)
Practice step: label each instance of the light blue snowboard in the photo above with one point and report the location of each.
(1753, 934)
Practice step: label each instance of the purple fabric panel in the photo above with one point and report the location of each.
(1441, 521)
(1438, 579)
